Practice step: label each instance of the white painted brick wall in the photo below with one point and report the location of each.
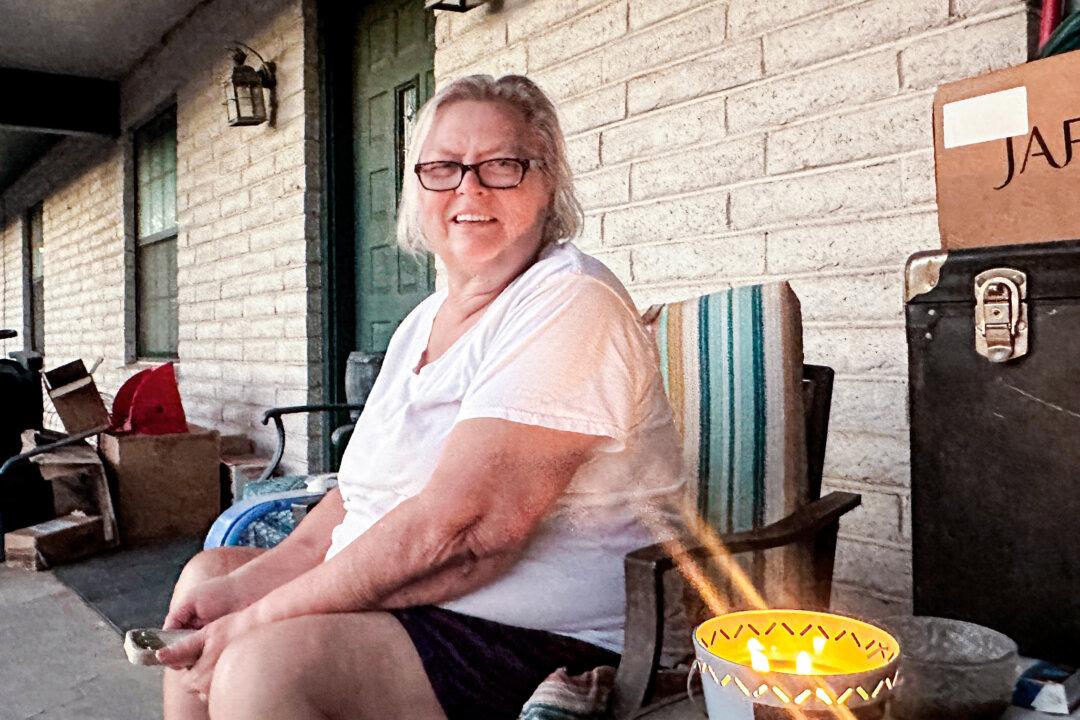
(11, 281)
(858, 27)
(794, 96)
(702, 167)
(730, 66)
(789, 139)
(977, 47)
(700, 29)
(894, 126)
(245, 242)
(668, 219)
(658, 133)
(587, 32)
(78, 273)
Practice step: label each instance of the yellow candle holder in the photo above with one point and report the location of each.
(772, 663)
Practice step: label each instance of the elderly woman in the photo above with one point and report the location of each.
(515, 447)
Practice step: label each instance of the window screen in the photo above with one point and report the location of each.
(155, 245)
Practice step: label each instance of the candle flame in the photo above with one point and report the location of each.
(803, 664)
(819, 645)
(758, 661)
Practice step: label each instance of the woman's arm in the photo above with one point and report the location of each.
(493, 484)
(302, 550)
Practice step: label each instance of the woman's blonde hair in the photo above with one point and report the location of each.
(564, 217)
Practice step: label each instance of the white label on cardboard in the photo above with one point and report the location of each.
(985, 117)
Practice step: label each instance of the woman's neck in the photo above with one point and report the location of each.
(468, 297)
(470, 292)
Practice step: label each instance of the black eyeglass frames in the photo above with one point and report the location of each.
(496, 173)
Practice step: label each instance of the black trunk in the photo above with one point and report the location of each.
(995, 453)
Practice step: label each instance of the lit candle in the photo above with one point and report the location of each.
(803, 664)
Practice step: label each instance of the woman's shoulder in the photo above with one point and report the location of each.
(565, 270)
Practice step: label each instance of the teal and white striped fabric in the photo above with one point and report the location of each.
(732, 367)
(571, 697)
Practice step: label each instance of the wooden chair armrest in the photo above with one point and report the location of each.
(799, 525)
(814, 524)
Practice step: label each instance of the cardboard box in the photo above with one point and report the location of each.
(167, 486)
(1005, 155)
(54, 542)
(76, 398)
(78, 479)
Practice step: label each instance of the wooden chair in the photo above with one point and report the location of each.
(813, 528)
(761, 325)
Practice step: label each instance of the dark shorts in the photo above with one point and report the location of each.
(483, 670)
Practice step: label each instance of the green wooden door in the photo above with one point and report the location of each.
(393, 71)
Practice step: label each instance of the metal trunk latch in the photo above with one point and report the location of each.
(1001, 320)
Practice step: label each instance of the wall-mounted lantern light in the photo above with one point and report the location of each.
(249, 93)
(453, 5)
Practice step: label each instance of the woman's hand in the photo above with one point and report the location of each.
(197, 654)
(204, 603)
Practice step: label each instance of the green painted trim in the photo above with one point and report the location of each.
(335, 23)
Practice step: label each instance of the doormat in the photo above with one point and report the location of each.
(131, 587)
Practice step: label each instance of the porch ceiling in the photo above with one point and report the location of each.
(83, 42)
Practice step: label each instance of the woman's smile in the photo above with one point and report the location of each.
(477, 230)
(472, 219)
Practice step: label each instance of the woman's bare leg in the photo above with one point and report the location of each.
(179, 704)
(359, 666)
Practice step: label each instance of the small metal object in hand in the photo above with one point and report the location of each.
(142, 644)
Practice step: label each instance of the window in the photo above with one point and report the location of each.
(155, 238)
(35, 281)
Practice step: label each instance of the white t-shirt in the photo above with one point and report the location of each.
(561, 347)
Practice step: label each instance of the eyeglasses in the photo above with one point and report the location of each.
(497, 173)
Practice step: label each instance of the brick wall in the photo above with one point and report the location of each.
(247, 212)
(11, 283)
(721, 143)
(79, 182)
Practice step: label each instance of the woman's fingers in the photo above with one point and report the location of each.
(201, 605)
(182, 653)
(201, 672)
(178, 618)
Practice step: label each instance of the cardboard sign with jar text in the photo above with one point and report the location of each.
(1007, 155)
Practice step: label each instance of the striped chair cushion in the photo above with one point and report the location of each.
(732, 366)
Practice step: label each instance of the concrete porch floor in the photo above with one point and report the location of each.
(60, 661)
